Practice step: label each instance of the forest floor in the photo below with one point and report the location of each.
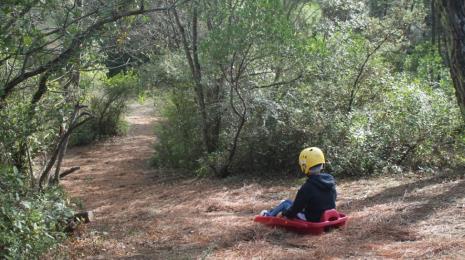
(146, 213)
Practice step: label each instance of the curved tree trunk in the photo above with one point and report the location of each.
(452, 14)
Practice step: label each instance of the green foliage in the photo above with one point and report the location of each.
(404, 126)
(262, 20)
(396, 120)
(405, 129)
(178, 135)
(399, 118)
(30, 222)
(425, 64)
(374, 99)
(26, 127)
(107, 103)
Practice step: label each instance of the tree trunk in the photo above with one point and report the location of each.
(61, 154)
(210, 127)
(44, 176)
(71, 94)
(215, 99)
(452, 14)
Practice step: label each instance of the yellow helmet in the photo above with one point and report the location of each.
(310, 157)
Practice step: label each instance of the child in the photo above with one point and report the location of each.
(316, 195)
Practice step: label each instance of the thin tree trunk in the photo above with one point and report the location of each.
(31, 170)
(62, 150)
(215, 98)
(194, 64)
(44, 176)
(70, 99)
(433, 23)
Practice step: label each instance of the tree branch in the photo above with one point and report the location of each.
(73, 48)
(69, 171)
(280, 83)
(353, 92)
(42, 88)
(45, 173)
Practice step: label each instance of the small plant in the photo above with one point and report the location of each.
(30, 222)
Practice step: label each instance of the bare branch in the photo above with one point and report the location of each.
(69, 171)
(72, 49)
(360, 72)
(280, 83)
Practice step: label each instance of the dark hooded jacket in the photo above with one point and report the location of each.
(314, 197)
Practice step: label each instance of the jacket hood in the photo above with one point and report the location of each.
(323, 181)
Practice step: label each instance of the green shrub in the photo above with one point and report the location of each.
(178, 134)
(410, 124)
(107, 104)
(270, 140)
(21, 127)
(397, 120)
(414, 126)
(30, 222)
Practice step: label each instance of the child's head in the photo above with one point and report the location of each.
(311, 160)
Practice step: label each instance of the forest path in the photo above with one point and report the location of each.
(144, 213)
(114, 179)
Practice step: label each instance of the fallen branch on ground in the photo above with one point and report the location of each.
(69, 171)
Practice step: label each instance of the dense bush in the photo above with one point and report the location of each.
(30, 222)
(178, 144)
(107, 104)
(23, 127)
(396, 119)
(405, 129)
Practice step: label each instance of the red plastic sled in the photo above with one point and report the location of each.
(330, 219)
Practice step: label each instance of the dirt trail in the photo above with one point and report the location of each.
(142, 213)
(113, 178)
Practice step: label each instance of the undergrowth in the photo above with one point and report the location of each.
(31, 222)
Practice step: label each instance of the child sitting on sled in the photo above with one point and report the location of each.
(315, 196)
